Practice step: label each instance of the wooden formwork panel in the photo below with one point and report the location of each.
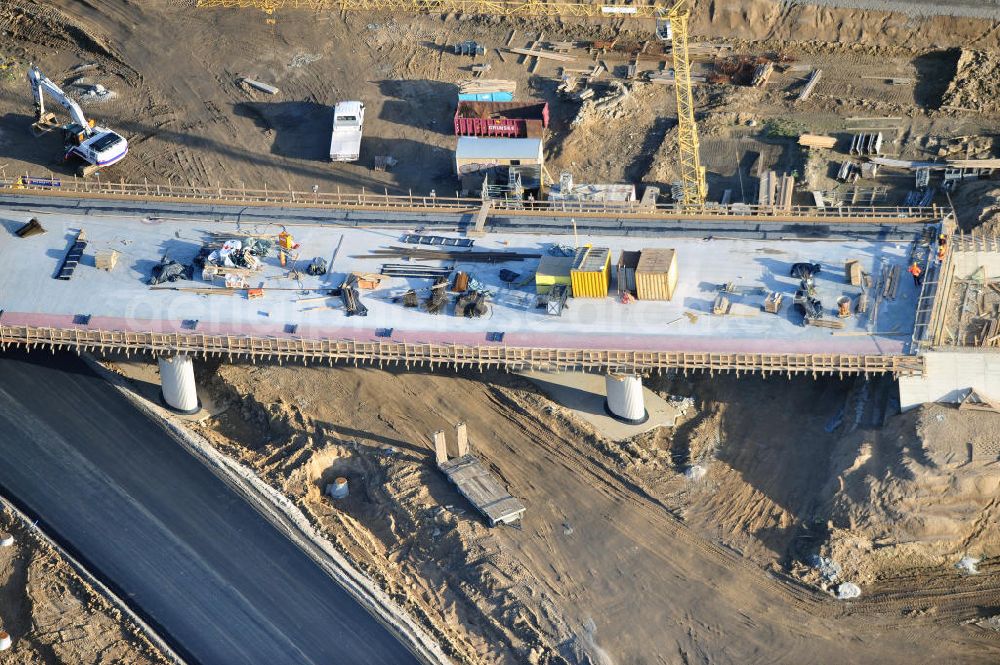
(457, 355)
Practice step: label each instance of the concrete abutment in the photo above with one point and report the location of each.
(949, 375)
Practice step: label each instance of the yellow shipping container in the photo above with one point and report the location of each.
(552, 270)
(656, 274)
(591, 273)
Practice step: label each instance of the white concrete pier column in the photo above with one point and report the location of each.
(177, 384)
(625, 401)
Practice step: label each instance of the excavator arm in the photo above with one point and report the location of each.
(40, 86)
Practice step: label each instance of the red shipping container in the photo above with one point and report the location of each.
(501, 119)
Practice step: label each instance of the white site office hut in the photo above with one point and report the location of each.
(474, 154)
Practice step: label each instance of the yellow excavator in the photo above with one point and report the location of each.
(671, 26)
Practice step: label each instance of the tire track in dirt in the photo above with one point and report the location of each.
(889, 603)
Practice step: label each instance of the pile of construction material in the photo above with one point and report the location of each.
(817, 141)
(866, 143)
(775, 190)
(486, 90)
(811, 83)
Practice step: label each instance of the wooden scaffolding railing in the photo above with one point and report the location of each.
(511, 358)
(73, 187)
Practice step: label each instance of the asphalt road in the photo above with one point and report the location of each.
(217, 580)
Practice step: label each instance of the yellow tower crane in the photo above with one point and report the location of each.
(671, 26)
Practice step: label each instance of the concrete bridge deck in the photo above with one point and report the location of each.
(117, 310)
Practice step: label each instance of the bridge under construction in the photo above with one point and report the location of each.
(719, 315)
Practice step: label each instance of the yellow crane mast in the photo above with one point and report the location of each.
(671, 25)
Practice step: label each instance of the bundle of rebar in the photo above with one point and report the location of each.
(471, 305)
(469, 256)
(438, 299)
(413, 271)
(349, 295)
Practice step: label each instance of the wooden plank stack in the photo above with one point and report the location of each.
(817, 141)
(476, 86)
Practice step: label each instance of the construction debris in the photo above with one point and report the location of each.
(32, 228)
(352, 301)
(534, 53)
(817, 141)
(368, 280)
(471, 304)
(810, 85)
(168, 270)
(761, 74)
(772, 303)
(474, 482)
(384, 163)
(438, 299)
(318, 267)
(775, 190)
(106, 259)
(469, 47)
(263, 87)
(866, 143)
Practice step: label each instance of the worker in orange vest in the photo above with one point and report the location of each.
(941, 251)
(918, 274)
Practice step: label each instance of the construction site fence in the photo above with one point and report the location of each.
(451, 355)
(369, 200)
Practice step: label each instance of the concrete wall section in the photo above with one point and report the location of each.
(948, 376)
(967, 262)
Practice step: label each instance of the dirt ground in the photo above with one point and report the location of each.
(625, 555)
(174, 72)
(54, 616)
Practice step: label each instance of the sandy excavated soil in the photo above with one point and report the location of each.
(976, 86)
(55, 617)
(621, 558)
(175, 70)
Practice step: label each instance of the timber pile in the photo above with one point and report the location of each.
(535, 53)
(989, 334)
(890, 282)
(772, 304)
(775, 190)
(817, 141)
(825, 323)
(478, 86)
